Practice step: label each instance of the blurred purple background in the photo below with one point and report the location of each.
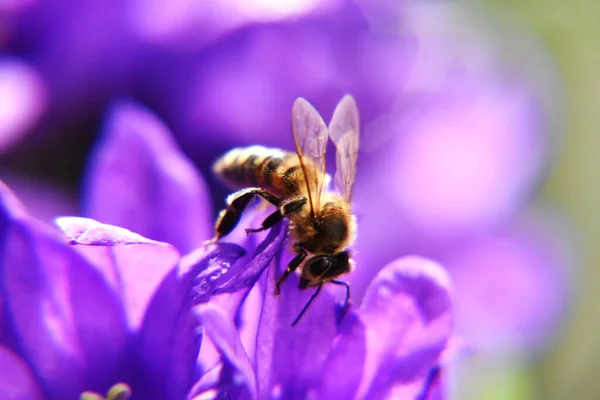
(456, 137)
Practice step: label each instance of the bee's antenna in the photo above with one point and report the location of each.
(307, 304)
(347, 285)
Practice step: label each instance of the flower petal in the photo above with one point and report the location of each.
(409, 318)
(245, 276)
(132, 265)
(435, 386)
(168, 342)
(346, 360)
(88, 231)
(68, 321)
(433, 389)
(10, 206)
(140, 180)
(17, 381)
(237, 380)
(290, 360)
(233, 296)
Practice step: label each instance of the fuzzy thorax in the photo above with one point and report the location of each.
(331, 230)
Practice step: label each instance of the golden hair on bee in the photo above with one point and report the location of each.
(322, 225)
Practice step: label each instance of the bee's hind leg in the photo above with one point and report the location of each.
(236, 204)
(278, 215)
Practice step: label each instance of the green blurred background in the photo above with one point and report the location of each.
(570, 369)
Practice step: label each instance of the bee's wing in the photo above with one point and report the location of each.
(310, 138)
(343, 131)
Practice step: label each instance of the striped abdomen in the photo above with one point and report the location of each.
(274, 170)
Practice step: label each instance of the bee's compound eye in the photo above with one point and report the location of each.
(319, 265)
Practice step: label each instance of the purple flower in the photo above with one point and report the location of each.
(139, 179)
(99, 305)
(454, 144)
(84, 317)
(386, 347)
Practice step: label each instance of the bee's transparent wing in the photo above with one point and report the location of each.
(310, 138)
(343, 131)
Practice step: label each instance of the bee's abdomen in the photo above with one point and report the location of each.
(271, 169)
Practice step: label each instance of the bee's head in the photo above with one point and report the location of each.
(323, 268)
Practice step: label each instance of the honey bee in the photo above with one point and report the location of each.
(322, 225)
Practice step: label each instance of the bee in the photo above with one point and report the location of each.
(322, 225)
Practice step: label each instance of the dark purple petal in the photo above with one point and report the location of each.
(434, 385)
(168, 342)
(237, 379)
(409, 318)
(345, 363)
(17, 381)
(239, 296)
(67, 319)
(11, 207)
(232, 288)
(132, 265)
(43, 199)
(239, 281)
(140, 180)
(103, 60)
(290, 360)
(245, 276)
(242, 91)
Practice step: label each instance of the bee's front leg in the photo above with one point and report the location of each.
(236, 204)
(278, 215)
(292, 266)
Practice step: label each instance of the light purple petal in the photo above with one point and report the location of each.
(132, 265)
(409, 318)
(188, 24)
(346, 359)
(168, 342)
(511, 287)
(290, 360)
(17, 381)
(237, 379)
(23, 99)
(467, 157)
(140, 180)
(68, 321)
(90, 232)
(15, 6)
